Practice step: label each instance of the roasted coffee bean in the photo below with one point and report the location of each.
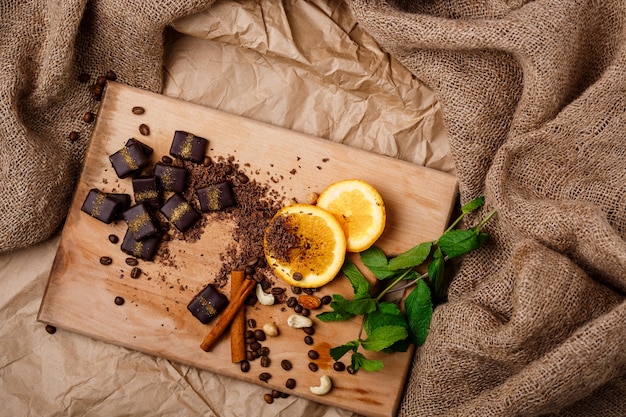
(249, 334)
(326, 299)
(242, 178)
(101, 81)
(138, 110)
(249, 340)
(119, 300)
(265, 376)
(258, 277)
(249, 356)
(291, 302)
(296, 290)
(131, 261)
(251, 323)
(290, 383)
(106, 260)
(264, 351)
(114, 239)
(255, 354)
(284, 395)
(111, 76)
(249, 270)
(261, 263)
(207, 161)
(255, 346)
(313, 354)
(268, 398)
(135, 273)
(339, 366)
(305, 312)
(313, 366)
(84, 78)
(265, 284)
(259, 335)
(308, 291)
(308, 340)
(309, 330)
(88, 117)
(144, 129)
(244, 365)
(265, 361)
(298, 308)
(275, 393)
(350, 370)
(73, 136)
(51, 329)
(277, 291)
(297, 276)
(286, 365)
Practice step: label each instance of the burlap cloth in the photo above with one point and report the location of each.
(533, 97)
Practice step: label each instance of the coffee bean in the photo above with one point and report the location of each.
(138, 110)
(308, 340)
(207, 161)
(284, 395)
(111, 76)
(101, 81)
(114, 239)
(119, 300)
(144, 129)
(249, 356)
(265, 361)
(251, 323)
(313, 354)
(305, 312)
(166, 159)
(135, 273)
(249, 340)
(309, 291)
(88, 117)
(297, 276)
(309, 330)
(350, 370)
(84, 78)
(275, 393)
(339, 366)
(249, 270)
(249, 334)
(285, 364)
(291, 302)
(73, 136)
(291, 383)
(296, 290)
(265, 376)
(51, 329)
(242, 178)
(277, 291)
(259, 335)
(264, 351)
(326, 299)
(244, 365)
(268, 398)
(265, 284)
(255, 346)
(313, 366)
(131, 261)
(106, 260)
(255, 354)
(298, 308)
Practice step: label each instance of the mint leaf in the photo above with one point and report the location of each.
(361, 306)
(334, 316)
(473, 205)
(412, 257)
(387, 314)
(383, 337)
(337, 352)
(436, 270)
(376, 261)
(360, 284)
(360, 361)
(419, 310)
(458, 242)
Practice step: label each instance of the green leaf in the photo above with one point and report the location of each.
(436, 270)
(473, 205)
(360, 284)
(361, 306)
(419, 310)
(360, 361)
(334, 316)
(376, 261)
(337, 352)
(387, 314)
(412, 257)
(458, 242)
(383, 337)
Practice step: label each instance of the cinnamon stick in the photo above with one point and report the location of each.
(227, 315)
(238, 325)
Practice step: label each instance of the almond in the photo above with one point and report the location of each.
(309, 301)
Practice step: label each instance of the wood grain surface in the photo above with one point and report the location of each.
(80, 293)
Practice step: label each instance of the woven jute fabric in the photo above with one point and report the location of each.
(534, 100)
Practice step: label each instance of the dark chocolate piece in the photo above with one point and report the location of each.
(180, 213)
(171, 178)
(101, 205)
(207, 304)
(188, 146)
(146, 191)
(216, 197)
(145, 249)
(130, 159)
(147, 150)
(124, 204)
(140, 222)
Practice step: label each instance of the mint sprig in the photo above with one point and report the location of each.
(387, 328)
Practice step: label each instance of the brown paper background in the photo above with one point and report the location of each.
(301, 65)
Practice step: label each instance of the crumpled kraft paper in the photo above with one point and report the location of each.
(306, 66)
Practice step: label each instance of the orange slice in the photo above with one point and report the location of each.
(359, 208)
(305, 245)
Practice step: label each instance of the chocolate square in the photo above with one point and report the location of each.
(188, 146)
(207, 304)
(180, 213)
(171, 178)
(140, 222)
(216, 197)
(124, 204)
(146, 191)
(145, 249)
(100, 205)
(146, 149)
(130, 159)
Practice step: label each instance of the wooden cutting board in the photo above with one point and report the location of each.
(80, 293)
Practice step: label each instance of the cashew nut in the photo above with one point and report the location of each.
(263, 297)
(298, 322)
(325, 386)
(270, 329)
